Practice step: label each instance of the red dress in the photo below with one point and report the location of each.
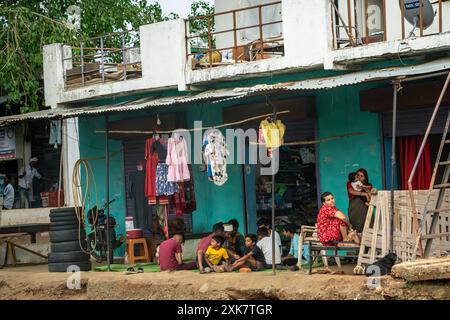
(328, 226)
(150, 172)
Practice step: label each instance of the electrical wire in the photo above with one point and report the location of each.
(79, 198)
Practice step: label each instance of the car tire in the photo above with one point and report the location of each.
(67, 219)
(64, 223)
(63, 266)
(57, 257)
(62, 212)
(64, 227)
(68, 246)
(67, 235)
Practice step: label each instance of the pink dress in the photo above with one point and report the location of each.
(177, 160)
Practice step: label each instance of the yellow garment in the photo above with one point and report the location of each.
(215, 57)
(215, 256)
(273, 133)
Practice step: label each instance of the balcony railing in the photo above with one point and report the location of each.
(359, 22)
(235, 36)
(113, 57)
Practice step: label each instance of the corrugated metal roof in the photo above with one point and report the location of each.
(136, 105)
(345, 79)
(221, 95)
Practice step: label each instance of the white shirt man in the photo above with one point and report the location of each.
(26, 176)
(265, 244)
(29, 173)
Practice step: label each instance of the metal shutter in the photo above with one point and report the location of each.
(414, 121)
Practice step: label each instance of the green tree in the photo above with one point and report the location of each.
(27, 25)
(199, 27)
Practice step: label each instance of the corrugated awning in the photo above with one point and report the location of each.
(343, 80)
(136, 105)
(221, 95)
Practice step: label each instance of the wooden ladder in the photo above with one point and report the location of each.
(441, 163)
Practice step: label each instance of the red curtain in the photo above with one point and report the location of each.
(408, 148)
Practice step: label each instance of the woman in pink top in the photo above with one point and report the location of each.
(177, 159)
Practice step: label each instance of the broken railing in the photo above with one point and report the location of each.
(360, 22)
(246, 34)
(113, 57)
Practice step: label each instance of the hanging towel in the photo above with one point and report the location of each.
(55, 132)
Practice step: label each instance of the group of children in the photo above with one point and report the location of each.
(220, 256)
(226, 250)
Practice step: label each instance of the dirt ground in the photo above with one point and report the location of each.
(35, 282)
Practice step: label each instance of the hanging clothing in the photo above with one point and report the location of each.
(408, 148)
(163, 186)
(55, 132)
(136, 188)
(161, 214)
(177, 159)
(215, 153)
(273, 133)
(150, 171)
(179, 200)
(189, 192)
(160, 148)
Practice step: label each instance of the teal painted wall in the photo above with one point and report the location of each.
(93, 145)
(339, 113)
(215, 203)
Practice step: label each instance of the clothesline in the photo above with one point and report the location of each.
(198, 129)
(297, 143)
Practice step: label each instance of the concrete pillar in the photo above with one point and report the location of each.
(71, 153)
(54, 67)
(307, 31)
(163, 53)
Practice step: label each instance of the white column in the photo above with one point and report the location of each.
(71, 154)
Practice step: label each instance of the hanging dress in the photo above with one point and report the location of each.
(176, 160)
(150, 171)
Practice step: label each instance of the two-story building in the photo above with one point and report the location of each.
(326, 67)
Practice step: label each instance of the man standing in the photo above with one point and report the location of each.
(8, 194)
(26, 176)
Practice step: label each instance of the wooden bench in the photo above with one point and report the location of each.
(308, 235)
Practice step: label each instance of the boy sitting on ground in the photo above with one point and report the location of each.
(216, 256)
(253, 257)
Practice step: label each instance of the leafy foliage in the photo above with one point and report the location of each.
(199, 27)
(27, 25)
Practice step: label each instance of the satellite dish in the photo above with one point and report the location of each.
(412, 13)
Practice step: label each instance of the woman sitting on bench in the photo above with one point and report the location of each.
(333, 227)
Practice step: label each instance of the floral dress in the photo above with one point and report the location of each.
(328, 226)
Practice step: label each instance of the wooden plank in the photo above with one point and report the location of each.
(423, 270)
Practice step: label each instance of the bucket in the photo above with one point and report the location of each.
(129, 223)
(135, 234)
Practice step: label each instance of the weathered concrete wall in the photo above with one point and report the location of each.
(163, 56)
(24, 216)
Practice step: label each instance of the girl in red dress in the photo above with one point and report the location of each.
(332, 225)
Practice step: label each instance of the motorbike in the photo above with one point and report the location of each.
(97, 238)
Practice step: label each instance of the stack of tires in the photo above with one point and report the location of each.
(66, 236)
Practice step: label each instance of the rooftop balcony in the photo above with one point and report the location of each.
(242, 41)
(365, 30)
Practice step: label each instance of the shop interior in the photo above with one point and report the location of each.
(295, 182)
(34, 138)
